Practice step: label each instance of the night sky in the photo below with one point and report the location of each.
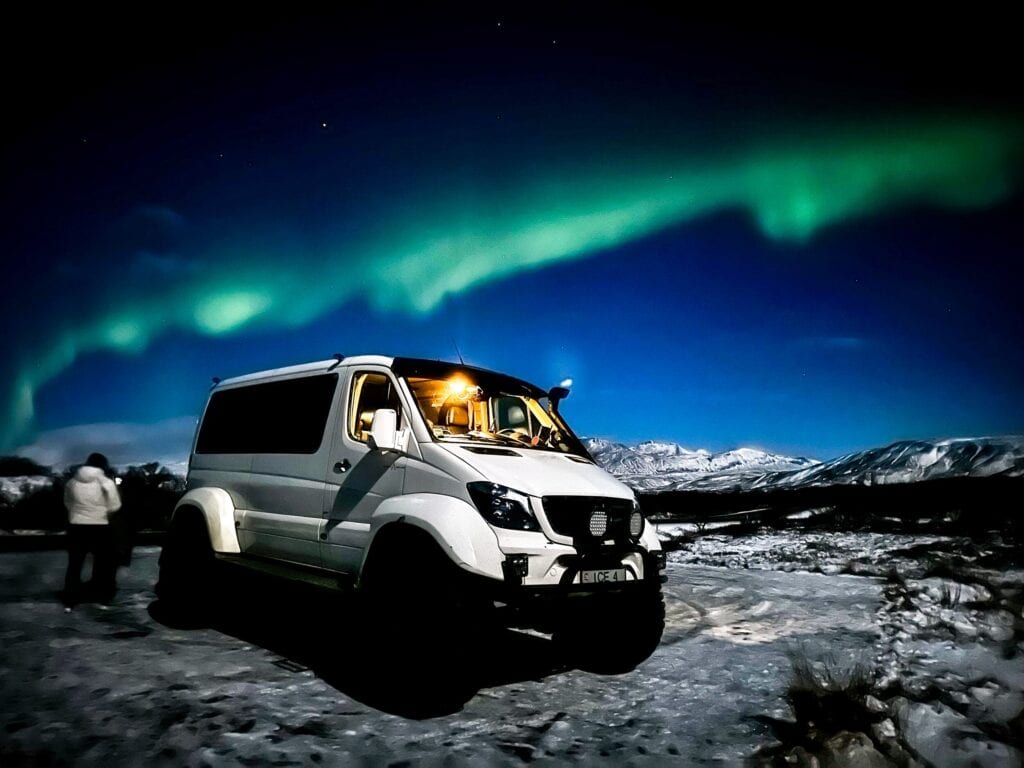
(803, 237)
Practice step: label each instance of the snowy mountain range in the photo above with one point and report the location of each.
(665, 466)
(657, 466)
(657, 457)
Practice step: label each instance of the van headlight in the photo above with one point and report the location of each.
(636, 521)
(503, 507)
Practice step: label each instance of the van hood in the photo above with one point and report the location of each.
(540, 473)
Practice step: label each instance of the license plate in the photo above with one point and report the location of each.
(600, 577)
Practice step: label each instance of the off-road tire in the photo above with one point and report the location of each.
(427, 625)
(188, 572)
(614, 634)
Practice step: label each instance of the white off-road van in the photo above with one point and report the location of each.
(436, 490)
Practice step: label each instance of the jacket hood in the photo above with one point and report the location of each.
(89, 474)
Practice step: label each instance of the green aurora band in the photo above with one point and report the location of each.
(791, 189)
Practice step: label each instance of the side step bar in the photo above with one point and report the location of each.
(338, 582)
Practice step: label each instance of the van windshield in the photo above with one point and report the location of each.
(464, 405)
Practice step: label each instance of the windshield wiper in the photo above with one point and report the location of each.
(487, 438)
(499, 439)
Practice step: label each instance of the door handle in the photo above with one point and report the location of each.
(342, 466)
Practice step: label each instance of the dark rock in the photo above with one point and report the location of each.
(852, 750)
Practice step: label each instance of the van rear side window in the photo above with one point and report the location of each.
(277, 417)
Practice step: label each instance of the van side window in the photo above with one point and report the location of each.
(370, 391)
(286, 416)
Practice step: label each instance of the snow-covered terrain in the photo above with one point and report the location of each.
(662, 466)
(948, 672)
(115, 687)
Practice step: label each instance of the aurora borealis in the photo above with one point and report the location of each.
(403, 212)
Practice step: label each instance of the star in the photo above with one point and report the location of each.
(323, 125)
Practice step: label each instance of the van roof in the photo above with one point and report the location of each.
(321, 365)
(401, 365)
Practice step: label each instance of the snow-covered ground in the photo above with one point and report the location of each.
(935, 618)
(862, 552)
(949, 665)
(116, 687)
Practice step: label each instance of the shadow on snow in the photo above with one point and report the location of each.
(333, 636)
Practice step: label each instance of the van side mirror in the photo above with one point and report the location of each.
(384, 434)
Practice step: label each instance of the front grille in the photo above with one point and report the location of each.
(570, 516)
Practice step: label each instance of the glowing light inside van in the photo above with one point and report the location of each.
(458, 385)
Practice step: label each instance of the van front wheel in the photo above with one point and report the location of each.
(614, 634)
(426, 623)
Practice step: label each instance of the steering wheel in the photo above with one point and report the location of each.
(515, 434)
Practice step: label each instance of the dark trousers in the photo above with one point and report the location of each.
(95, 540)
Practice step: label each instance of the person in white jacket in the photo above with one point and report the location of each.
(91, 497)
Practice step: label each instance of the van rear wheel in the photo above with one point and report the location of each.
(187, 572)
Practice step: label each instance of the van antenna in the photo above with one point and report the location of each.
(338, 357)
(456, 345)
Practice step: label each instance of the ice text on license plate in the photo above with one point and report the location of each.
(600, 577)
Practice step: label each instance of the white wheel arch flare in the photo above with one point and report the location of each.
(454, 524)
(219, 513)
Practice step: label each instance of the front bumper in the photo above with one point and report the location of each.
(540, 606)
(551, 563)
(642, 566)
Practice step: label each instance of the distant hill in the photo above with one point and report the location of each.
(20, 466)
(661, 466)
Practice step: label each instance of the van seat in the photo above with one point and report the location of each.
(365, 425)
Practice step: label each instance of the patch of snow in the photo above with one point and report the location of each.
(864, 553)
(942, 736)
